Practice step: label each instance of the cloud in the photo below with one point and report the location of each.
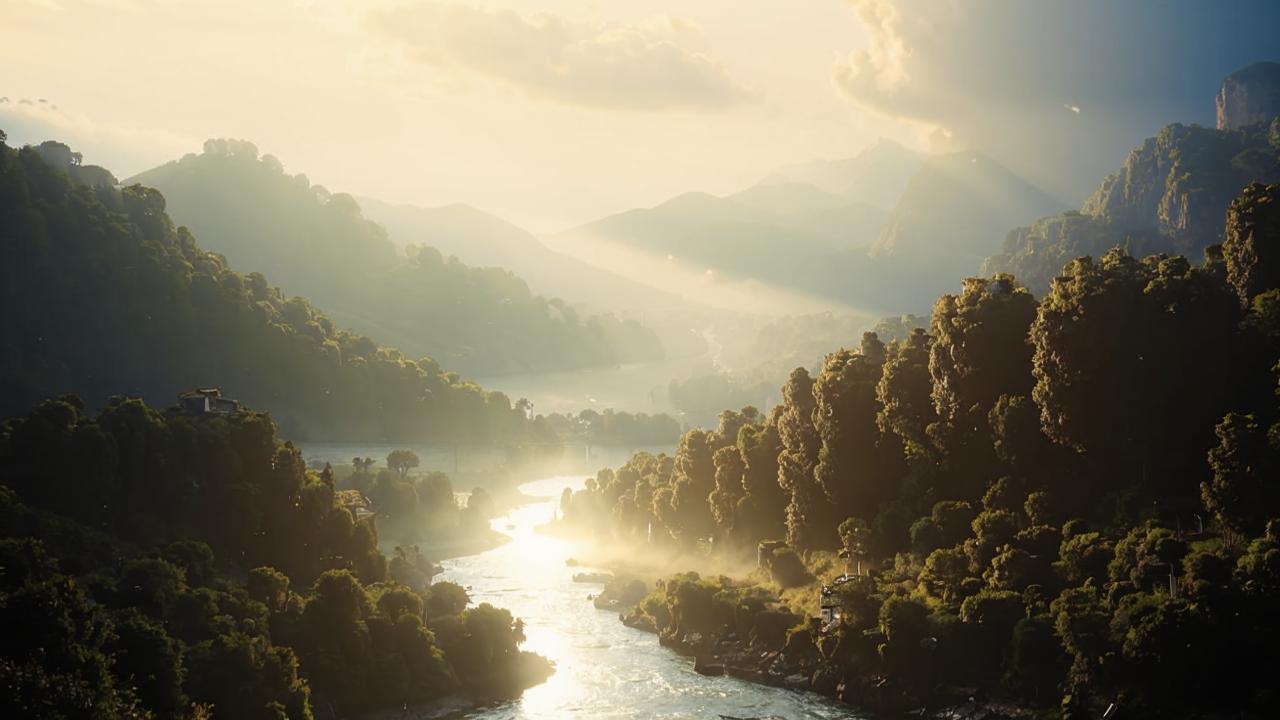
(993, 73)
(647, 66)
(121, 149)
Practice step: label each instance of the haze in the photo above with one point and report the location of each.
(507, 106)
(545, 359)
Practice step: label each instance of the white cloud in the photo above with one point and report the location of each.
(645, 66)
(123, 150)
(994, 74)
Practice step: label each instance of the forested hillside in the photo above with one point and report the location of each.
(475, 320)
(1170, 196)
(477, 238)
(1067, 500)
(167, 565)
(103, 296)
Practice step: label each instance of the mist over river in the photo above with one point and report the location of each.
(603, 668)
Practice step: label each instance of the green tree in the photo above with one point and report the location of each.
(402, 461)
(1243, 492)
(856, 466)
(808, 509)
(1249, 244)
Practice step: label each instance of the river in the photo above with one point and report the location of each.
(603, 668)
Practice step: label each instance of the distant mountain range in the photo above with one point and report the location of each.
(478, 320)
(887, 230)
(958, 206)
(480, 239)
(876, 176)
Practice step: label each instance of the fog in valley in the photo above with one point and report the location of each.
(561, 359)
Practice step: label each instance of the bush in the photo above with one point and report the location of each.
(788, 570)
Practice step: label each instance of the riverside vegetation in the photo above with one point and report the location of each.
(163, 564)
(1059, 504)
(131, 304)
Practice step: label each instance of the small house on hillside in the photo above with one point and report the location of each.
(207, 401)
(830, 600)
(356, 502)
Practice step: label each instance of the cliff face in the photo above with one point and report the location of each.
(1253, 263)
(1179, 183)
(1170, 196)
(1249, 96)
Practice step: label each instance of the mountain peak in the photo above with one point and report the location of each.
(1249, 95)
(961, 203)
(876, 176)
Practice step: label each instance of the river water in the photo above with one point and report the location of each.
(603, 668)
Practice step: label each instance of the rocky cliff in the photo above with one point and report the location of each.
(1170, 196)
(1172, 193)
(1249, 96)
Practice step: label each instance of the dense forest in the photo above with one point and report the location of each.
(877, 359)
(478, 321)
(176, 565)
(1068, 502)
(129, 304)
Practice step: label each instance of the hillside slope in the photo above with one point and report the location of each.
(102, 295)
(959, 205)
(479, 239)
(477, 320)
(876, 176)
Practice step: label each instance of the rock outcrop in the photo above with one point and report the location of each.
(1253, 264)
(1171, 196)
(1172, 193)
(1249, 96)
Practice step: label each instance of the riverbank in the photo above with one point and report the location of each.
(875, 693)
(453, 549)
(445, 708)
(747, 630)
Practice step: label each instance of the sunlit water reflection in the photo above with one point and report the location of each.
(603, 668)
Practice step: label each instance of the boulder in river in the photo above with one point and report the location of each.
(706, 665)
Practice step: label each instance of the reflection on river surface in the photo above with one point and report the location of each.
(603, 668)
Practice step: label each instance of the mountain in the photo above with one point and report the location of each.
(1248, 96)
(101, 295)
(788, 198)
(876, 176)
(815, 213)
(1170, 196)
(477, 320)
(784, 235)
(480, 239)
(801, 229)
(958, 207)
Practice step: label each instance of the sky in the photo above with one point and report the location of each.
(552, 113)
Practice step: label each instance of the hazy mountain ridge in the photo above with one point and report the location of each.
(479, 320)
(958, 205)
(876, 176)
(798, 235)
(478, 238)
(708, 232)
